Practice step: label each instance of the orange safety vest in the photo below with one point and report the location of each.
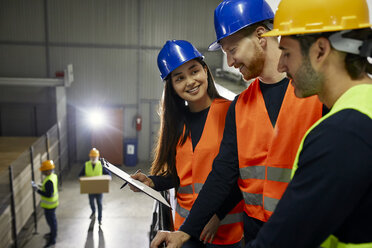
(193, 168)
(266, 154)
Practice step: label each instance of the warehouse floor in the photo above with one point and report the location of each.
(125, 222)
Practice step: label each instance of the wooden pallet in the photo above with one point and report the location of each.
(12, 148)
(5, 227)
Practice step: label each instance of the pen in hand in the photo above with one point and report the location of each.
(125, 184)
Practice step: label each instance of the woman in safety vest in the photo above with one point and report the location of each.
(192, 123)
(49, 199)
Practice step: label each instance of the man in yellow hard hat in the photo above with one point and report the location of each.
(49, 198)
(93, 167)
(325, 49)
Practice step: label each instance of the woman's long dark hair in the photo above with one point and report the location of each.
(172, 111)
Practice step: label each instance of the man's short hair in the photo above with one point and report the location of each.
(355, 65)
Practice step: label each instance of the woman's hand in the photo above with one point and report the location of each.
(143, 179)
(210, 230)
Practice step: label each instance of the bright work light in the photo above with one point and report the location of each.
(96, 118)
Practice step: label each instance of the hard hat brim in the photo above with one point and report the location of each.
(295, 31)
(214, 46)
(187, 60)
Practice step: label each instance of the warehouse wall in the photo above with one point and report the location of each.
(113, 47)
(28, 111)
(112, 44)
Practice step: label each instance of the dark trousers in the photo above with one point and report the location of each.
(98, 198)
(51, 219)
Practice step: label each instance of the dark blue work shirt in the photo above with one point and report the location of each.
(48, 189)
(331, 192)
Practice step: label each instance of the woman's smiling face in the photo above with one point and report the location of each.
(190, 82)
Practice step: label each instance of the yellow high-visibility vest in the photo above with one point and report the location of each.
(90, 172)
(358, 98)
(50, 202)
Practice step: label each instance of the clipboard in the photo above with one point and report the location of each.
(142, 187)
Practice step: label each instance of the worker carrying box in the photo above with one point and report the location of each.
(94, 180)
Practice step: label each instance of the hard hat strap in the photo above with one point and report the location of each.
(366, 49)
(343, 44)
(269, 24)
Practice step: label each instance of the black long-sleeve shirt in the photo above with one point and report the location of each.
(331, 192)
(49, 190)
(225, 172)
(196, 122)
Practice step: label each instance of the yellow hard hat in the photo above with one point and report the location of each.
(47, 165)
(317, 16)
(94, 153)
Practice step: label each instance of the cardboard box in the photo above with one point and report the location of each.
(95, 185)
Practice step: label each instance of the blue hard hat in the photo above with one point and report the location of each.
(232, 15)
(174, 54)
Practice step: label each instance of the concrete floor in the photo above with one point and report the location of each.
(125, 222)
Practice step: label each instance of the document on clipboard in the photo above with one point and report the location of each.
(142, 187)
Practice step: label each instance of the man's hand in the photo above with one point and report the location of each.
(172, 239)
(143, 179)
(34, 186)
(210, 230)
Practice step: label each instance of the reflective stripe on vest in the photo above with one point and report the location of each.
(358, 98)
(256, 200)
(252, 199)
(198, 187)
(229, 219)
(185, 189)
(273, 173)
(252, 172)
(193, 167)
(232, 219)
(270, 203)
(279, 174)
(182, 211)
(50, 202)
(90, 171)
(265, 153)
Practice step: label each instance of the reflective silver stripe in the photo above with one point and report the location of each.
(198, 187)
(270, 203)
(229, 219)
(185, 189)
(182, 211)
(252, 199)
(48, 202)
(232, 218)
(252, 172)
(279, 174)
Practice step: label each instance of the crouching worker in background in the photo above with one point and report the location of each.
(93, 167)
(49, 199)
